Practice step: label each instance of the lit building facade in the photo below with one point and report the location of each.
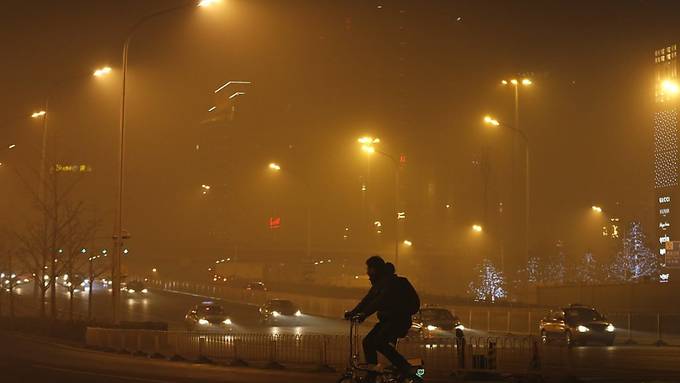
(666, 158)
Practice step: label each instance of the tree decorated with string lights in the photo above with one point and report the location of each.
(635, 261)
(489, 283)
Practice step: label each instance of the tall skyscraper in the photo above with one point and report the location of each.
(666, 158)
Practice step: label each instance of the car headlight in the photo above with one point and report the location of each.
(131, 290)
(145, 291)
(298, 313)
(460, 327)
(275, 314)
(431, 327)
(610, 328)
(582, 328)
(227, 321)
(203, 322)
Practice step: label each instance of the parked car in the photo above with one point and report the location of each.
(276, 310)
(431, 321)
(207, 316)
(577, 325)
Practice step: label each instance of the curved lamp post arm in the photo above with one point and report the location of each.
(118, 225)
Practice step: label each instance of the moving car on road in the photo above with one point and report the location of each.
(136, 287)
(276, 310)
(577, 325)
(431, 321)
(256, 286)
(207, 316)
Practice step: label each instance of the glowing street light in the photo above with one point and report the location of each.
(38, 114)
(154, 270)
(12, 146)
(491, 121)
(367, 144)
(366, 140)
(408, 243)
(207, 3)
(368, 149)
(670, 87)
(596, 209)
(477, 228)
(526, 81)
(274, 166)
(103, 71)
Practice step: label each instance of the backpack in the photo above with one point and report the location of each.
(409, 301)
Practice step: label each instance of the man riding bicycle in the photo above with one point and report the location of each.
(395, 300)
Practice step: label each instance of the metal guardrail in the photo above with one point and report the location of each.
(442, 356)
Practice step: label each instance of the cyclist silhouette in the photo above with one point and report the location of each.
(395, 301)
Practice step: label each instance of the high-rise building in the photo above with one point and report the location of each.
(666, 158)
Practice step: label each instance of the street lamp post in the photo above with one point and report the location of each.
(308, 250)
(42, 194)
(368, 146)
(516, 85)
(118, 235)
(490, 121)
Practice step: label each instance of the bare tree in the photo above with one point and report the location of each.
(9, 279)
(45, 236)
(73, 255)
(96, 268)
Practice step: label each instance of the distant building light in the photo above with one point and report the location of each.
(80, 168)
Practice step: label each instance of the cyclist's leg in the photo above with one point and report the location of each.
(371, 343)
(388, 337)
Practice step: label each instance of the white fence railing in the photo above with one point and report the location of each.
(442, 356)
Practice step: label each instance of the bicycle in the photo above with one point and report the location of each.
(355, 372)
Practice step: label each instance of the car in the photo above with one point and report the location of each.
(577, 325)
(429, 321)
(208, 316)
(255, 286)
(136, 287)
(276, 310)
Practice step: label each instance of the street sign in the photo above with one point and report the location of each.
(673, 254)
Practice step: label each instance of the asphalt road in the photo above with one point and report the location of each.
(26, 359)
(620, 363)
(171, 307)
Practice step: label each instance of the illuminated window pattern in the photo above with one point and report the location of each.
(665, 54)
(666, 148)
(666, 69)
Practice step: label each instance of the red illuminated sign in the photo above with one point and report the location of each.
(274, 222)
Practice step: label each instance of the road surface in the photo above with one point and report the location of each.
(170, 307)
(27, 359)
